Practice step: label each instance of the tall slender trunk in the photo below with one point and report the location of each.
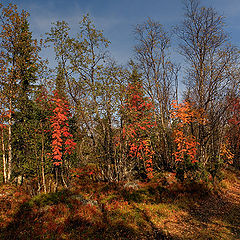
(56, 177)
(42, 162)
(10, 141)
(62, 177)
(4, 159)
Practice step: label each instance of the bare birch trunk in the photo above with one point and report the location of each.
(10, 141)
(4, 160)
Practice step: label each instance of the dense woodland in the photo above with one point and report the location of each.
(91, 149)
(90, 118)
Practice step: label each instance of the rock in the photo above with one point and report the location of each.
(78, 197)
(84, 201)
(132, 185)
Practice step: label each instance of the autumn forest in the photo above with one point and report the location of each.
(93, 140)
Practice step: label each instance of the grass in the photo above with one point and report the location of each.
(154, 211)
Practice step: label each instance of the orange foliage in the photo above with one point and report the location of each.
(61, 137)
(138, 126)
(233, 133)
(226, 153)
(186, 143)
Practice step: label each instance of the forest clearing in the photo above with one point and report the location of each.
(161, 209)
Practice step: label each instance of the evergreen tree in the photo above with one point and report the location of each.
(60, 81)
(137, 125)
(19, 57)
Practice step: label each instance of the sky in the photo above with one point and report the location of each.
(117, 19)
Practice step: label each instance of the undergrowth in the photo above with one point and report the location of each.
(159, 209)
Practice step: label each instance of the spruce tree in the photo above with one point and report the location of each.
(19, 57)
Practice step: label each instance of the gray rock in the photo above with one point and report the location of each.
(84, 201)
(133, 185)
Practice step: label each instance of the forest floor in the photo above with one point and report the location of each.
(161, 209)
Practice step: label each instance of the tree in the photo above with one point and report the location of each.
(212, 68)
(138, 123)
(233, 131)
(94, 86)
(18, 61)
(62, 139)
(160, 80)
(81, 61)
(111, 95)
(185, 116)
(60, 82)
(42, 134)
(3, 118)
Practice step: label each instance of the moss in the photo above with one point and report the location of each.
(109, 198)
(42, 200)
(136, 195)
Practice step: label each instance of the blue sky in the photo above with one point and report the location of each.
(117, 17)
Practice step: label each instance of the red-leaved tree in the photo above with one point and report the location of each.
(184, 117)
(62, 139)
(233, 133)
(138, 123)
(184, 114)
